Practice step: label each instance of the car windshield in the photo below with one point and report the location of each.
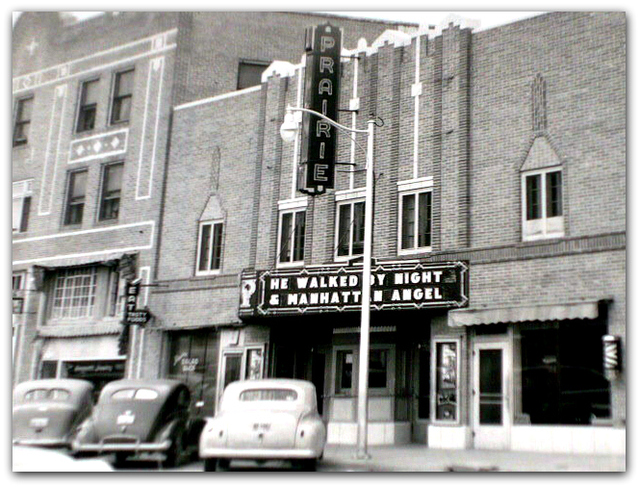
(136, 394)
(288, 395)
(47, 394)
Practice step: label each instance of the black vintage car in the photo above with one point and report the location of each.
(47, 412)
(140, 418)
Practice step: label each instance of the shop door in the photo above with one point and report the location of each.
(491, 421)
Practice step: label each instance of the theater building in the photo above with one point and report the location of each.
(498, 283)
(92, 104)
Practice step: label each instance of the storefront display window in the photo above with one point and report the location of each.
(378, 368)
(447, 394)
(562, 373)
(194, 361)
(344, 371)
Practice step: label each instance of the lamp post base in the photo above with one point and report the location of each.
(362, 455)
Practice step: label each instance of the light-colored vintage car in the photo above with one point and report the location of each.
(47, 412)
(266, 419)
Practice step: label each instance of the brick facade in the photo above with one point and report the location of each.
(471, 97)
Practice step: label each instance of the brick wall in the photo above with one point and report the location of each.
(217, 41)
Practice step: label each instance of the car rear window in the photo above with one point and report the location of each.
(136, 394)
(47, 394)
(269, 395)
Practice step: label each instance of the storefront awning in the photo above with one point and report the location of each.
(517, 314)
(106, 258)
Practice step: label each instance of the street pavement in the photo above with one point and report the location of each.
(419, 458)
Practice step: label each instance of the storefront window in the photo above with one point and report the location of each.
(344, 371)
(253, 369)
(378, 368)
(562, 373)
(194, 361)
(446, 381)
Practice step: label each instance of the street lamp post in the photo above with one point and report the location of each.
(288, 132)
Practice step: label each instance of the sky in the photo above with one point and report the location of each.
(482, 20)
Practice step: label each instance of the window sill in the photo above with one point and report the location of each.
(421, 250)
(289, 265)
(106, 223)
(347, 258)
(208, 273)
(549, 236)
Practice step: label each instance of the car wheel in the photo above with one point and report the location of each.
(210, 464)
(174, 453)
(121, 459)
(308, 465)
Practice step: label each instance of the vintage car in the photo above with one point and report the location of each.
(266, 419)
(47, 412)
(144, 418)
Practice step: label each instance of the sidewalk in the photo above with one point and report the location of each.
(419, 458)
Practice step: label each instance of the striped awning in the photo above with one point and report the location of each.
(517, 314)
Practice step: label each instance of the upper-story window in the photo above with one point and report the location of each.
(415, 221)
(250, 73)
(88, 105)
(22, 121)
(122, 96)
(111, 191)
(350, 229)
(74, 293)
(76, 195)
(22, 191)
(291, 237)
(210, 238)
(542, 204)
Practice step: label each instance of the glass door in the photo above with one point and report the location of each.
(491, 396)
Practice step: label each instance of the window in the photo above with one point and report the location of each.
(22, 191)
(122, 95)
(209, 248)
(350, 234)
(76, 191)
(288, 395)
(344, 371)
(542, 205)
(563, 380)
(415, 221)
(291, 237)
(250, 73)
(378, 361)
(111, 189)
(446, 380)
(22, 121)
(88, 106)
(74, 293)
(17, 281)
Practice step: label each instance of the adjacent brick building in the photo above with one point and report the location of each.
(93, 102)
(499, 239)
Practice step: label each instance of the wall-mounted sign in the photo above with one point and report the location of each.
(106, 368)
(132, 315)
(394, 285)
(322, 77)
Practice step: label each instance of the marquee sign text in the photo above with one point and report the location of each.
(331, 288)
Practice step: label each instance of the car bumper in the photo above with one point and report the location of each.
(121, 447)
(261, 453)
(49, 442)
